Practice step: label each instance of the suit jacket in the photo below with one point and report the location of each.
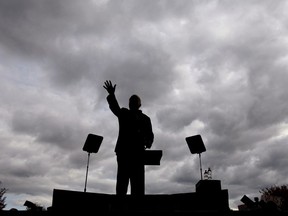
(135, 129)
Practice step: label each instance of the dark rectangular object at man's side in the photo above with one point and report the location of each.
(152, 157)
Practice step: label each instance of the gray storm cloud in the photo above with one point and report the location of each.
(214, 68)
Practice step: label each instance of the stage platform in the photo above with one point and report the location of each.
(204, 199)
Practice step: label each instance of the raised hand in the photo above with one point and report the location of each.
(109, 87)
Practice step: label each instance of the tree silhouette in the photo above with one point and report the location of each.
(2, 197)
(30, 206)
(276, 194)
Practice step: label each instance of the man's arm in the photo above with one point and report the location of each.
(111, 98)
(149, 138)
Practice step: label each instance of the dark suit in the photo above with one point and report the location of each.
(135, 133)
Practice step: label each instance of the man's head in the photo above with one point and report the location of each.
(134, 102)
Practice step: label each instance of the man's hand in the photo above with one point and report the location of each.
(109, 87)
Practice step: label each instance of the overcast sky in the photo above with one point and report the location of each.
(215, 68)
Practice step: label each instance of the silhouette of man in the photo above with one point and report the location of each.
(134, 136)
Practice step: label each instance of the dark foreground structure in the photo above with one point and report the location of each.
(204, 199)
(209, 199)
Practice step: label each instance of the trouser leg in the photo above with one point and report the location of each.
(122, 177)
(138, 180)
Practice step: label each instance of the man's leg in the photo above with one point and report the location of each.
(122, 176)
(138, 179)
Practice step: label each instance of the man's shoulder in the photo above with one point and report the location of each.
(124, 109)
(145, 115)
